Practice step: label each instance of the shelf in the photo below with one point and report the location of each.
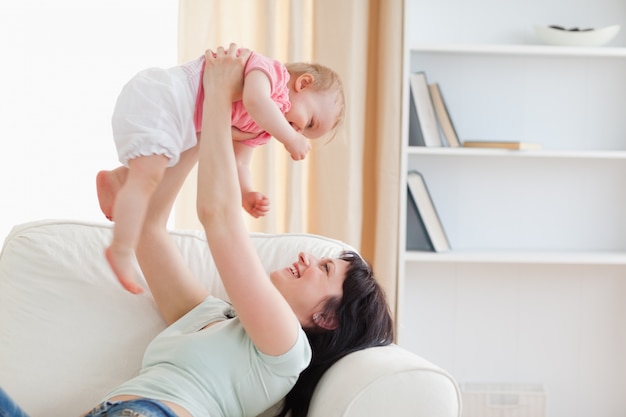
(538, 237)
(521, 257)
(520, 50)
(544, 153)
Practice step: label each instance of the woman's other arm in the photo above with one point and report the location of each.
(175, 289)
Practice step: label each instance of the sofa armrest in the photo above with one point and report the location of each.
(385, 381)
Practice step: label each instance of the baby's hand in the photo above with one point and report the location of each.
(256, 204)
(298, 147)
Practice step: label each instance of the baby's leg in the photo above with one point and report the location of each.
(129, 211)
(108, 183)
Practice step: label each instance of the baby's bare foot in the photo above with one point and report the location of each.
(108, 183)
(121, 261)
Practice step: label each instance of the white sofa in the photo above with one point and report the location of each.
(69, 332)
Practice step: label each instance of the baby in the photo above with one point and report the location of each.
(158, 116)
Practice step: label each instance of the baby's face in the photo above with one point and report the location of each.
(313, 113)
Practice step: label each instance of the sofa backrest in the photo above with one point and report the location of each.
(69, 332)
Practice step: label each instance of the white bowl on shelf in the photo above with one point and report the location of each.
(591, 37)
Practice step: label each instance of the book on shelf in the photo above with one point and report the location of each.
(423, 127)
(443, 116)
(416, 235)
(425, 231)
(502, 144)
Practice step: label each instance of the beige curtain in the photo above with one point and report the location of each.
(347, 188)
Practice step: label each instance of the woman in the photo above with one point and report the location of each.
(287, 330)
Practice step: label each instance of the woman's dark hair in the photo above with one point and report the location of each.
(364, 321)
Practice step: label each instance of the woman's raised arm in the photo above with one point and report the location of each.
(264, 313)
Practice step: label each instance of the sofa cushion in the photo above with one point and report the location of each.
(69, 332)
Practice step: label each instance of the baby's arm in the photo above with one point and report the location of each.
(255, 203)
(261, 107)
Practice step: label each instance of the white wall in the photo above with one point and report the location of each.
(63, 62)
(507, 21)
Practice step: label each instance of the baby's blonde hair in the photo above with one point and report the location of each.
(324, 79)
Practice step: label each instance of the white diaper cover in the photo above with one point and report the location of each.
(154, 115)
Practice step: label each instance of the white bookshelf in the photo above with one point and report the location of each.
(519, 50)
(519, 257)
(532, 289)
(503, 153)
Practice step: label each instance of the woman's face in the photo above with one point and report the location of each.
(308, 282)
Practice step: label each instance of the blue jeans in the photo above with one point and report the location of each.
(8, 407)
(142, 407)
(133, 408)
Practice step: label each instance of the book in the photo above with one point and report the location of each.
(416, 235)
(423, 129)
(443, 116)
(501, 144)
(429, 235)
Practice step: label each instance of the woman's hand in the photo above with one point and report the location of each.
(224, 69)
